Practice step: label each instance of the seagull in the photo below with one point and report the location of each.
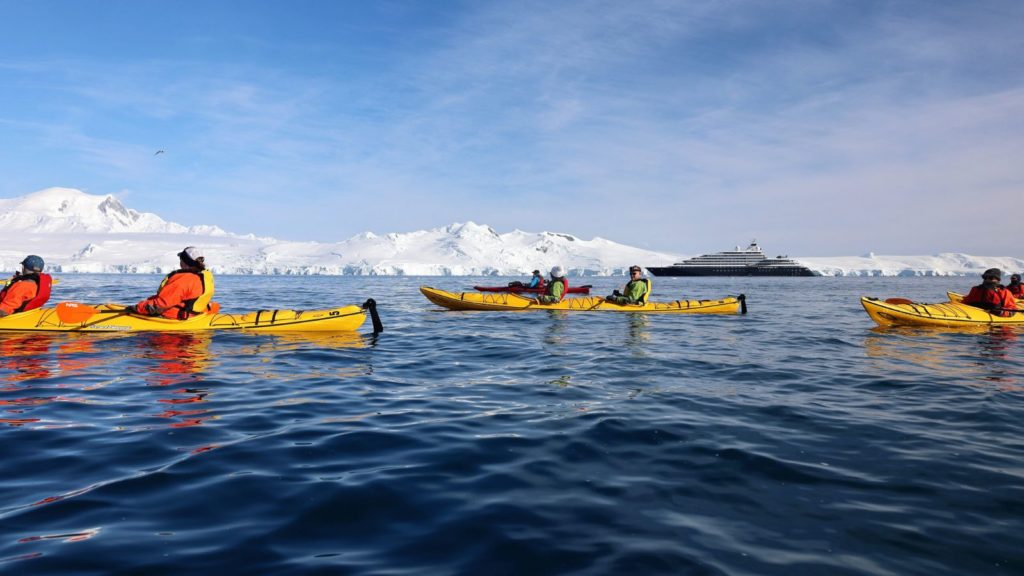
(158, 152)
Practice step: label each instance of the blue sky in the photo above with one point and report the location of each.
(819, 128)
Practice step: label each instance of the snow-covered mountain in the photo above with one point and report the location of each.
(79, 232)
(66, 210)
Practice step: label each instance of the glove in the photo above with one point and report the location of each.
(152, 310)
(616, 293)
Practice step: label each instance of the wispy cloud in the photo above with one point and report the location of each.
(819, 127)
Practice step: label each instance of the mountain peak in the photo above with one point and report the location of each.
(71, 210)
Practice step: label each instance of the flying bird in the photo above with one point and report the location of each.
(158, 152)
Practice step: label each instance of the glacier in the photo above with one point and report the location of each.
(77, 232)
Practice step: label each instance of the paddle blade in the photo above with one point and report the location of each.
(74, 312)
(898, 301)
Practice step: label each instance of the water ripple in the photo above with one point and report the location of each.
(798, 439)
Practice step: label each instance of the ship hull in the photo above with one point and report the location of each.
(729, 271)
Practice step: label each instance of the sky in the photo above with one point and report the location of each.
(819, 128)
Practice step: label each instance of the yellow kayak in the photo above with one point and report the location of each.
(117, 318)
(511, 302)
(902, 312)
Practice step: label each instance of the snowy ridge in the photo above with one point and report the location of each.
(945, 264)
(79, 232)
(66, 210)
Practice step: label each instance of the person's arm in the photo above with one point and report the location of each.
(173, 294)
(972, 298)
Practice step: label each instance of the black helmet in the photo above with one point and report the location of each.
(33, 263)
(536, 272)
(993, 273)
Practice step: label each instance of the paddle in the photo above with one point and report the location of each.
(371, 305)
(898, 301)
(77, 313)
(74, 312)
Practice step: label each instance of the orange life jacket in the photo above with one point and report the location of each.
(184, 308)
(998, 300)
(43, 284)
(199, 304)
(1017, 289)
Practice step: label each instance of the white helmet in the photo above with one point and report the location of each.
(558, 272)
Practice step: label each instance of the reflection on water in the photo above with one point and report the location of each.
(26, 359)
(37, 355)
(304, 354)
(638, 333)
(794, 440)
(178, 358)
(555, 335)
(177, 363)
(997, 341)
(981, 354)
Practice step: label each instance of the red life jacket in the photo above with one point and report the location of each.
(43, 284)
(1016, 289)
(996, 300)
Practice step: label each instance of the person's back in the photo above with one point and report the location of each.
(177, 287)
(180, 290)
(27, 290)
(556, 288)
(992, 296)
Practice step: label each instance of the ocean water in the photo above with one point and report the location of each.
(798, 439)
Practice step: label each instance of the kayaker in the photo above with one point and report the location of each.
(183, 293)
(556, 289)
(637, 290)
(991, 295)
(536, 282)
(28, 289)
(1015, 287)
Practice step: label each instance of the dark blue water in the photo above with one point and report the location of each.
(798, 439)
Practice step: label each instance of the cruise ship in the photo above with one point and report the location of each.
(750, 261)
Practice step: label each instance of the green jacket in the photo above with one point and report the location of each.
(635, 290)
(553, 292)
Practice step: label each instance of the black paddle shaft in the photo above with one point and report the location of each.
(371, 305)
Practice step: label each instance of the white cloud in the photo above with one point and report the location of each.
(814, 126)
